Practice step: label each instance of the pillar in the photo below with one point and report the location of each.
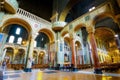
(93, 45)
(49, 54)
(37, 59)
(72, 43)
(60, 50)
(4, 53)
(30, 48)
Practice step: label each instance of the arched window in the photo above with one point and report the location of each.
(35, 43)
(19, 40)
(18, 31)
(11, 39)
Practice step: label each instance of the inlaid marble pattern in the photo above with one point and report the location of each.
(60, 75)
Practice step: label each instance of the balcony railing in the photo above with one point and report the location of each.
(15, 45)
(32, 16)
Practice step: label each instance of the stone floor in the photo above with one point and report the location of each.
(46, 74)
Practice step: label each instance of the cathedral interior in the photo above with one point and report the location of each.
(61, 35)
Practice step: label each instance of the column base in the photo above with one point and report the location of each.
(27, 69)
(98, 71)
(75, 69)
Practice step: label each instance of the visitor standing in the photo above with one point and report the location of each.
(4, 65)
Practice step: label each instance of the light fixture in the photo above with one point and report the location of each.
(18, 31)
(116, 35)
(92, 8)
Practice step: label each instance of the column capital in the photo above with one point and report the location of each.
(34, 35)
(72, 36)
(90, 29)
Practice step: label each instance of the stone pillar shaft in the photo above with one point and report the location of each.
(94, 51)
(73, 52)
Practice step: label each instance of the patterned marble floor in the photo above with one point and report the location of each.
(58, 75)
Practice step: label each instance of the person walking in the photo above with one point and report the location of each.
(4, 65)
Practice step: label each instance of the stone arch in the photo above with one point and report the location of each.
(21, 50)
(49, 33)
(9, 47)
(118, 19)
(35, 55)
(108, 29)
(35, 51)
(67, 39)
(79, 26)
(102, 16)
(41, 57)
(105, 31)
(105, 39)
(42, 51)
(18, 21)
(5, 47)
(117, 16)
(78, 43)
(64, 33)
(19, 57)
(8, 51)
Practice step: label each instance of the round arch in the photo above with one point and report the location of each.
(67, 39)
(117, 16)
(21, 50)
(101, 16)
(64, 33)
(5, 47)
(35, 53)
(42, 51)
(41, 57)
(103, 32)
(79, 26)
(9, 53)
(77, 43)
(49, 33)
(19, 21)
(105, 28)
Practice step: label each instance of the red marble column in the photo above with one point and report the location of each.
(73, 52)
(94, 50)
(82, 59)
(79, 60)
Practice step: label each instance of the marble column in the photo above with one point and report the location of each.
(30, 48)
(72, 43)
(49, 55)
(4, 53)
(95, 57)
(59, 50)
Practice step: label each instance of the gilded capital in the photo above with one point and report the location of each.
(90, 29)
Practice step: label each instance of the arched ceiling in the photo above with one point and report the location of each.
(104, 34)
